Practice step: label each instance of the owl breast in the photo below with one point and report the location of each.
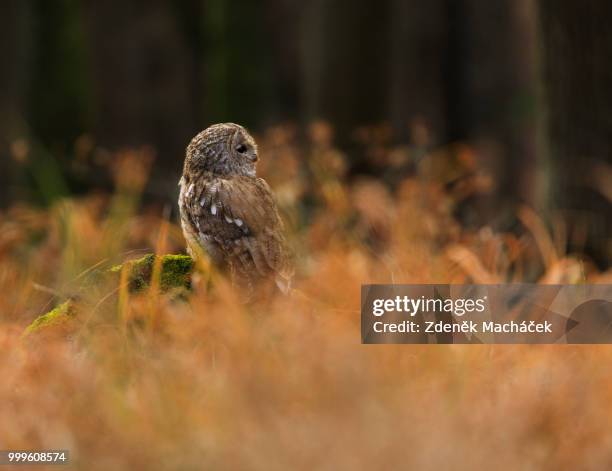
(198, 230)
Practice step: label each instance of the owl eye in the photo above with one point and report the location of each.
(241, 149)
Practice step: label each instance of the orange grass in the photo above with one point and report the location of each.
(209, 383)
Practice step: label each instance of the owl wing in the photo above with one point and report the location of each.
(248, 226)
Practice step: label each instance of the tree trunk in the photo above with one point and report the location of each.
(576, 52)
(15, 47)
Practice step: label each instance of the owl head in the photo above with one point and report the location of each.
(222, 149)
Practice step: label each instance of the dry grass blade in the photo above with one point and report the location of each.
(540, 233)
(470, 263)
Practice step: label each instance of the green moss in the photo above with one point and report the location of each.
(175, 275)
(175, 271)
(61, 314)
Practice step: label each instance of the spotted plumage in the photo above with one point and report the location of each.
(229, 212)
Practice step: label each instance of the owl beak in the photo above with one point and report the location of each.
(254, 158)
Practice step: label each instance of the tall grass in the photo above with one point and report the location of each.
(152, 381)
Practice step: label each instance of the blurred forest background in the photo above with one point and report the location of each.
(524, 83)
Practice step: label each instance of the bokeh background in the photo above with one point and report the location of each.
(524, 83)
(447, 141)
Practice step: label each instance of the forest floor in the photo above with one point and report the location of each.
(160, 379)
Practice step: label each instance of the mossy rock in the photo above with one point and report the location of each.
(56, 318)
(175, 272)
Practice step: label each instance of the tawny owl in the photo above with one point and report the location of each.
(230, 212)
